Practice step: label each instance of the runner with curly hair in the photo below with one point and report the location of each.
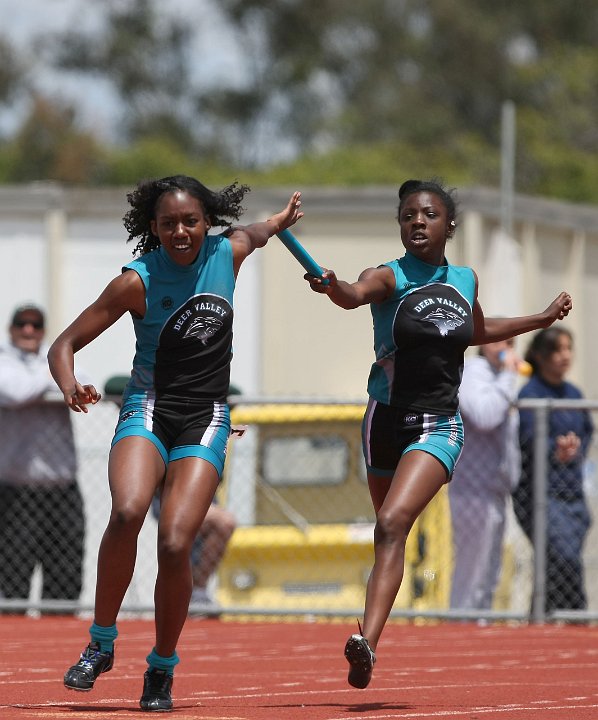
(174, 422)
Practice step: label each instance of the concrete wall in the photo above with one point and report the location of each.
(60, 248)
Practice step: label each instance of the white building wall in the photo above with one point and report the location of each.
(61, 247)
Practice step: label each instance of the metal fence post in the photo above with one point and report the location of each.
(538, 612)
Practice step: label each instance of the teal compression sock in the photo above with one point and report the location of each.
(104, 636)
(157, 662)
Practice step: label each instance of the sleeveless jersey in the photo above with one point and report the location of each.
(184, 341)
(420, 336)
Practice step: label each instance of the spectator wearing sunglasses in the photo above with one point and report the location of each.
(41, 508)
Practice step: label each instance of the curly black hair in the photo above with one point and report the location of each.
(220, 208)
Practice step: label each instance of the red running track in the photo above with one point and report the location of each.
(280, 671)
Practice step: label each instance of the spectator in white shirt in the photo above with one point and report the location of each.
(487, 471)
(41, 509)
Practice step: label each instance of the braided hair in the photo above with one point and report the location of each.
(220, 208)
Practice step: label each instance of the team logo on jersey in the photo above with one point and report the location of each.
(167, 302)
(203, 327)
(200, 318)
(445, 320)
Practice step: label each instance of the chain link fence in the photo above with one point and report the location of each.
(295, 483)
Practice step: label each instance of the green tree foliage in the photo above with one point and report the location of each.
(334, 92)
(433, 74)
(143, 55)
(557, 125)
(49, 147)
(157, 157)
(11, 71)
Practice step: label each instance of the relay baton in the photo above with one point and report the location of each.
(301, 254)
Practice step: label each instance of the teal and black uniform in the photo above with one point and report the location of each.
(176, 396)
(420, 336)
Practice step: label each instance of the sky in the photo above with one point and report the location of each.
(22, 21)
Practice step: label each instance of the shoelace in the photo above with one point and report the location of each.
(89, 656)
(158, 684)
(372, 654)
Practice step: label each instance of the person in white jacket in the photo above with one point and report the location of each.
(41, 509)
(485, 474)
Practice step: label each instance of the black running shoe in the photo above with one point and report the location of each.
(92, 663)
(156, 697)
(361, 658)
